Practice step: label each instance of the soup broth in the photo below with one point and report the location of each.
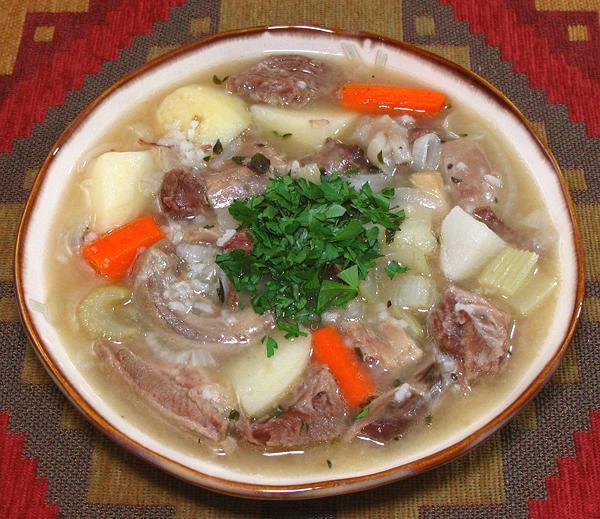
(463, 392)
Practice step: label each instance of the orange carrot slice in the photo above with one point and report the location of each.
(113, 254)
(352, 377)
(390, 99)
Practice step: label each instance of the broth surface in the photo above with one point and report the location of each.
(71, 280)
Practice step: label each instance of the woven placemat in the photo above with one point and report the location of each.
(57, 55)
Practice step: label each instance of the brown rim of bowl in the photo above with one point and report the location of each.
(322, 488)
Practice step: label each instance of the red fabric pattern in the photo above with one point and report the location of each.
(48, 86)
(22, 494)
(547, 69)
(575, 492)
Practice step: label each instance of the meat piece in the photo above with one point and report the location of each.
(227, 180)
(183, 194)
(318, 413)
(217, 328)
(391, 413)
(240, 240)
(337, 156)
(473, 331)
(188, 398)
(235, 182)
(508, 234)
(384, 346)
(468, 175)
(285, 79)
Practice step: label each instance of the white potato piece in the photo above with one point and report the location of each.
(114, 184)
(309, 127)
(466, 245)
(219, 115)
(261, 382)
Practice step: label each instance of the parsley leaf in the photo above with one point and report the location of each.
(312, 245)
(393, 268)
(271, 345)
(217, 148)
(364, 412)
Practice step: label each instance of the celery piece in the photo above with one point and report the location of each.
(533, 293)
(103, 313)
(508, 271)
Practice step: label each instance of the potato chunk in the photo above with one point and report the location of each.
(466, 245)
(261, 382)
(305, 129)
(113, 184)
(219, 115)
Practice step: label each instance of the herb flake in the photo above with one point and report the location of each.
(393, 268)
(312, 246)
(218, 81)
(271, 345)
(364, 412)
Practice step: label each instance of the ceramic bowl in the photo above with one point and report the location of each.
(460, 85)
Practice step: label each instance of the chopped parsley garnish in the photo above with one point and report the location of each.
(238, 159)
(234, 414)
(301, 234)
(217, 148)
(380, 157)
(329, 464)
(364, 412)
(428, 419)
(393, 268)
(271, 345)
(456, 180)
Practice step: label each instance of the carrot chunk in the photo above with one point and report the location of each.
(113, 254)
(352, 377)
(384, 99)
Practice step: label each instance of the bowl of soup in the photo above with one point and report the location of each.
(293, 262)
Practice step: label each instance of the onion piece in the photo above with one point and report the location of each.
(375, 180)
(426, 152)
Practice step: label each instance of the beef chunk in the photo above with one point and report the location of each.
(235, 182)
(473, 331)
(191, 399)
(391, 414)
(183, 194)
(285, 79)
(240, 240)
(337, 156)
(318, 413)
(384, 346)
(489, 217)
(468, 175)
